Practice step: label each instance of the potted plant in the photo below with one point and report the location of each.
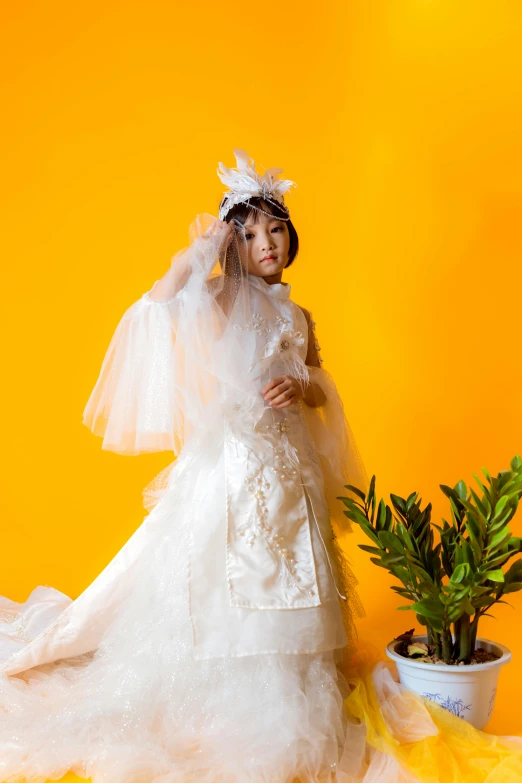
(451, 578)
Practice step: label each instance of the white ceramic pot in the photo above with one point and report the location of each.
(467, 691)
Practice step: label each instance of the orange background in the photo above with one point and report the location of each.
(400, 122)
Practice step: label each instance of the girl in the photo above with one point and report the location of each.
(214, 646)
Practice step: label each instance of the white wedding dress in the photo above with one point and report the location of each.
(210, 648)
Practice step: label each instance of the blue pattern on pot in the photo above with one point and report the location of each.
(455, 706)
(492, 701)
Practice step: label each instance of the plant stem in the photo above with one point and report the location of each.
(435, 641)
(474, 629)
(465, 649)
(446, 646)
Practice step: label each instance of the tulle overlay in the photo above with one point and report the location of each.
(417, 738)
(141, 708)
(217, 646)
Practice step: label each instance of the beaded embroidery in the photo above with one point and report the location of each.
(283, 466)
(20, 631)
(263, 326)
(258, 526)
(20, 627)
(282, 342)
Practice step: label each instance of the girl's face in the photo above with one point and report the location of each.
(268, 243)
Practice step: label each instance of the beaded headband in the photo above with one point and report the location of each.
(245, 183)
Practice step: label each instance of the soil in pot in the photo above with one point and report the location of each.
(419, 651)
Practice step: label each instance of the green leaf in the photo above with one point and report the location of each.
(467, 607)
(371, 488)
(461, 490)
(513, 489)
(410, 501)
(357, 516)
(499, 507)
(373, 550)
(459, 592)
(402, 532)
(477, 590)
(391, 541)
(478, 502)
(457, 513)
(430, 608)
(420, 572)
(467, 554)
(380, 521)
(391, 558)
(498, 525)
(516, 464)
(481, 485)
(401, 573)
(432, 622)
(495, 576)
(378, 562)
(357, 491)
(490, 562)
(455, 613)
(350, 502)
(503, 520)
(486, 600)
(461, 572)
(399, 503)
(480, 521)
(498, 539)
(387, 522)
(449, 492)
(475, 545)
(370, 533)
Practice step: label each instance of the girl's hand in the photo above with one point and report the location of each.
(282, 391)
(220, 232)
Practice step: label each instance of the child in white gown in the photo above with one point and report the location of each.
(206, 649)
(213, 646)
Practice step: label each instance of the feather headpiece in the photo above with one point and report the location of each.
(245, 182)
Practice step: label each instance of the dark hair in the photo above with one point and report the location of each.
(243, 210)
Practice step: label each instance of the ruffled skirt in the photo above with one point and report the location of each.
(140, 707)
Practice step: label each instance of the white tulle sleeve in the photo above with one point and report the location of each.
(134, 404)
(167, 358)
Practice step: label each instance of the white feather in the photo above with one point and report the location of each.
(245, 182)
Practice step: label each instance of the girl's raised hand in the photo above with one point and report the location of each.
(281, 392)
(220, 232)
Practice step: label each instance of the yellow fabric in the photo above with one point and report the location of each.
(459, 753)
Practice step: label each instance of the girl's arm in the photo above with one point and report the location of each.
(172, 281)
(177, 276)
(313, 395)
